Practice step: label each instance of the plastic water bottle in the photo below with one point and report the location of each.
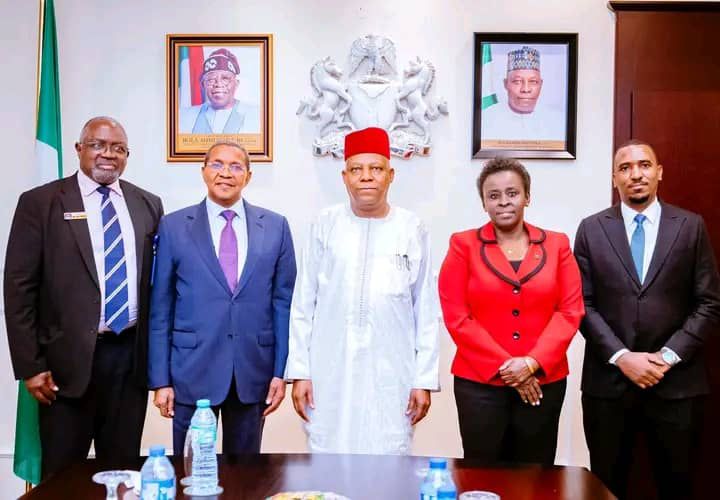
(157, 476)
(203, 429)
(438, 483)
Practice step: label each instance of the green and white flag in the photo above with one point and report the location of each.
(488, 94)
(48, 159)
(48, 149)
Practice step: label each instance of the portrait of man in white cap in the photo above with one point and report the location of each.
(529, 109)
(221, 111)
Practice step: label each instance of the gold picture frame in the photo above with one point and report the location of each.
(202, 110)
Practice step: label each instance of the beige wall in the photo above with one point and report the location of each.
(112, 61)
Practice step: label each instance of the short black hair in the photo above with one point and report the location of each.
(634, 142)
(503, 164)
(231, 144)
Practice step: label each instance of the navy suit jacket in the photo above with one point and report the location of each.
(201, 332)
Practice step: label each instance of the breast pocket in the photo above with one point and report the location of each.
(393, 275)
(187, 340)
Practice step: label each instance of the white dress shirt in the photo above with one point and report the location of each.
(651, 225)
(91, 199)
(239, 225)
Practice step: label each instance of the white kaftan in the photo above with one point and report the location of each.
(364, 329)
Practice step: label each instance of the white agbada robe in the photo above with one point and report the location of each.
(364, 329)
(499, 122)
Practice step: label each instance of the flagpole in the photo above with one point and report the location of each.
(41, 19)
(41, 22)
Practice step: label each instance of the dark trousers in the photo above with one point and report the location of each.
(672, 430)
(496, 426)
(111, 412)
(242, 424)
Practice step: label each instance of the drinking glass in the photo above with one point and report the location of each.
(111, 479)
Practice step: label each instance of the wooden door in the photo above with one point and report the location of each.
(667, 92)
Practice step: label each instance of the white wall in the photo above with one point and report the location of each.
(112, 62)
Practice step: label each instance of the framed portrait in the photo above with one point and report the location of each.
(525, 95)
(219, 87)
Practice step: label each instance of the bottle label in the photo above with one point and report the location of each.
(203, 436)
(158, 489)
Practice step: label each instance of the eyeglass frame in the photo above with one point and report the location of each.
(100, 146)
(233, 168)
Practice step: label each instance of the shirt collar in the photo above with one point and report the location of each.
(652, 212)
(88, 186)
(215, 210)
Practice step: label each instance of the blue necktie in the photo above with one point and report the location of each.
(637, 245)
(117, 314)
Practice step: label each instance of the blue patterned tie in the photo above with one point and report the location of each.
(637, 245)
(117, 314)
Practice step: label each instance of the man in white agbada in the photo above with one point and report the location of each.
(363, 323)
(525, 117)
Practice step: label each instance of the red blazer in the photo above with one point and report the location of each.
(494, 313)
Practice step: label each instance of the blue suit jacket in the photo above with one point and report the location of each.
(201, 332)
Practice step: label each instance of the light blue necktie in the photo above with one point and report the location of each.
(637, 245)
(117, 314)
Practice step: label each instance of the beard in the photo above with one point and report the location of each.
(639, 200)
(103, 176)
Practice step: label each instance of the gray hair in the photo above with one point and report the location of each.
(231, 144)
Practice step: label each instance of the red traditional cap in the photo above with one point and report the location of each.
(221, 59)
(368, 140)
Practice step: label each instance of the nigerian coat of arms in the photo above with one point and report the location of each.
(373, 96)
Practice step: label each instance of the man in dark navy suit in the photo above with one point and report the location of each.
(224, 278)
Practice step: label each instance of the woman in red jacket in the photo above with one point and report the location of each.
(512, 301)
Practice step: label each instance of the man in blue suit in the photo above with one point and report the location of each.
(220, 303)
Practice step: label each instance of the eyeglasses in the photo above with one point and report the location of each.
(101, 146)
(235, 168)
(224, 80)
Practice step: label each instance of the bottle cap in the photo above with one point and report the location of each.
(438, 463)
(203, 403)
(157, 451)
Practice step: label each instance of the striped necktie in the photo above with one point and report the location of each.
(117, 314)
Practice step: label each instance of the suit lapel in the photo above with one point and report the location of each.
(201, 236)
(138, 215)
(495, 259)
(71, 201)
(668, 231)
(614, 227)
(235, 121)
(256, 234)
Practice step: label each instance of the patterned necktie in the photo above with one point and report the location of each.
(228, 254)
(637, 245)
(117, 314)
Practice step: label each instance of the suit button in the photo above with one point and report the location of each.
(516, 312)
(516, 290)
(516, 335)
(92, 331)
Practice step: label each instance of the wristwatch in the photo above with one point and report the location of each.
(669, 356)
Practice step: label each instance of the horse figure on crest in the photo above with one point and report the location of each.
(331, 101)
(418, 79)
